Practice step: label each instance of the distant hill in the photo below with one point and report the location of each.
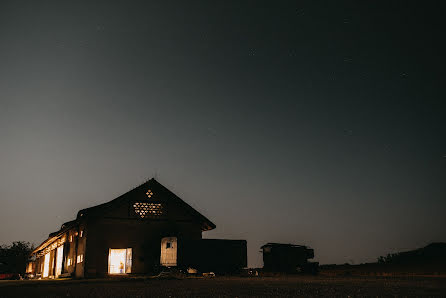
(434, 253)
(430, 259)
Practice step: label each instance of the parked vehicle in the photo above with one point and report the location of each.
(288, 258)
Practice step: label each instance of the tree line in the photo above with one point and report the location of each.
(14, 257)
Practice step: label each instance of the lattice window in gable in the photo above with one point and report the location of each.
(144, 209)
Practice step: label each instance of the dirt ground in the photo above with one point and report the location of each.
(287, 286)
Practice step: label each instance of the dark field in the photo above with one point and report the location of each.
(288, 286)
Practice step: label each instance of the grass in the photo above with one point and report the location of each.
(280, 286)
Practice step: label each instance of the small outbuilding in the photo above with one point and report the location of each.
(288, 258)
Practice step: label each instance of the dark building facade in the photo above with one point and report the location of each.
(138, 232)
(288, 258)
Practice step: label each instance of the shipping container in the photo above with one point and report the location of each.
(213, 255)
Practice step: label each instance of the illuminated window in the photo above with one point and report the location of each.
(81, 233)
(149, 193)
(71, 238)
(69, 263)
(144, 209)
(80, 258)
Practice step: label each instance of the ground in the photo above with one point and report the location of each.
(284, 286)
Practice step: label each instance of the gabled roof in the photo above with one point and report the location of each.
(155, 186)
(98, 210)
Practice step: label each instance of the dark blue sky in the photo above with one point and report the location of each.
(298, 122)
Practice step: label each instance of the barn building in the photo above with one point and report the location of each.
(138, 232)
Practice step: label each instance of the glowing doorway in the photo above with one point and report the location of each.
(46, 265)
(59, 259)
(119, 261)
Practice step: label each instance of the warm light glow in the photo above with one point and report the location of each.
(80, 258)
(168, 251)
(46, 265)
(29, 268)
(53, 245)
(59, 260)
(149, 193)
(144, 209)
(119, 261)
(69, 262)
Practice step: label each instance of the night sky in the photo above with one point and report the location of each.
(301, 122)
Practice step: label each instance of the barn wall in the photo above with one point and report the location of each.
(81, 241)
(144, 237)
(119, 226)
(52, 262)
(70, 252)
